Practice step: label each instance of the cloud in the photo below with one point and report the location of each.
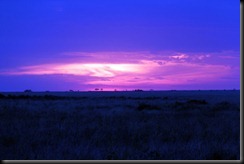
(132, 69)
(179, 56)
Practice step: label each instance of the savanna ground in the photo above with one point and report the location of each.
(148, 125)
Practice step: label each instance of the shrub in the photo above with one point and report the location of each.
(144, 106)
(200, 102)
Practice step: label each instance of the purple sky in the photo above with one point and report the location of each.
(58, 45)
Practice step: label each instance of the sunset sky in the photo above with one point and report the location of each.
(58, 45)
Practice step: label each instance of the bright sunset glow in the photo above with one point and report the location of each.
(146, 44)
(171, 70)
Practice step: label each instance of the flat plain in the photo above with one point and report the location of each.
(128, 125)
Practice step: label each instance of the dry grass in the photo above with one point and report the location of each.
(119, 127)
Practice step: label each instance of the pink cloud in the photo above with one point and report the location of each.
(128, 69)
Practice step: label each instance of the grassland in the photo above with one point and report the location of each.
(155, 125)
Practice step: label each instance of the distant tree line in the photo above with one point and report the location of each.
(28, 91)
(138, 90)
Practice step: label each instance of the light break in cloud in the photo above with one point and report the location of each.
(138, 69)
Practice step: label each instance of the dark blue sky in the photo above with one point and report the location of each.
(38, 31)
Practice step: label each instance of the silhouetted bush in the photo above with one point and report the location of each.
(28, 91)
(144, 106)
(200, 102)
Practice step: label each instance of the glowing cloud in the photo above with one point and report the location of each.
(137, 68)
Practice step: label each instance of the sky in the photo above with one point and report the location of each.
(61, 45)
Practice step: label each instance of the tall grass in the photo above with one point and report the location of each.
(122, 128)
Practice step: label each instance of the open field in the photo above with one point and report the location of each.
(147, 125)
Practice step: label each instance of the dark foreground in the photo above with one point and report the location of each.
(169, 125)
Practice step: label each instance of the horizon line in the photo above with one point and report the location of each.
(135, 90)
